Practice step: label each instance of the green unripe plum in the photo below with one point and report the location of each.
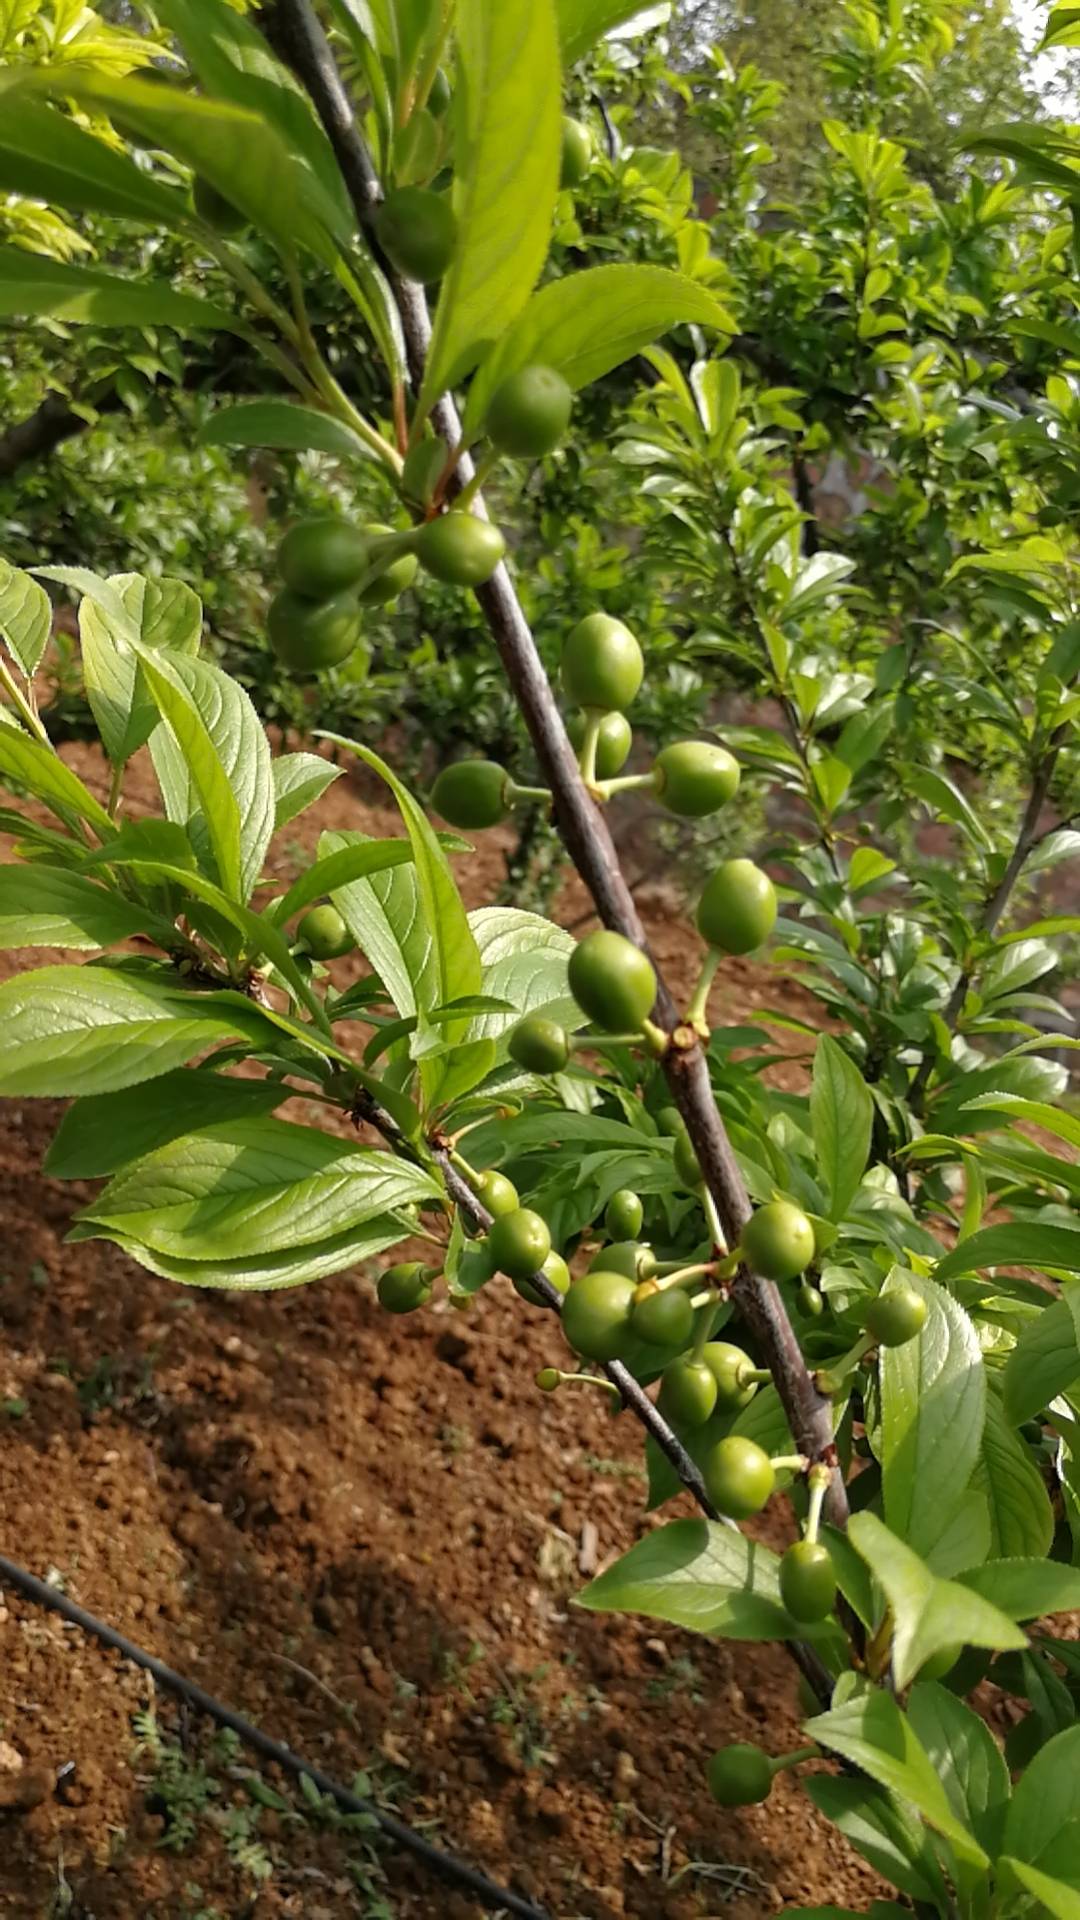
(460, 549)
(324, 934)
(497, 1193)
(539, 1045)
(624, 1215)
(694, 778)
(628, 1257)
(664, 1319)
(519, 1242)
(395, 576)
(308, 635)
(597, 1312)
(602, 664)
(729, 1366)
(807, 1581)
(471, 793)
(613, 742)
(670, 1121)
(529, 412)
(895, 1317)
(811, 1300)
(740, 1775)
(687, 1393)
(213, 207)
(737, 911)
(739, 1476)
(403, 1288)
(423, 466)
(612, 981)
(322, 556)
(556, 1270)
(577, 152)
(417, 230)
(687, 1165)
(778, 1241)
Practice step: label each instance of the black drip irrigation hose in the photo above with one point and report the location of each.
(447, 1865)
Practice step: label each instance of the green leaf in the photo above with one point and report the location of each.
(928, 1613)
(1026, 1589)
(1018, 1243)
(841, 1116)
(232, 61)
(25, 617)
(50, 907)
(164, 613)
(867, 865)
(255, 1187)
(523, 960)
(1045, 1799)
(1021, 1517)
(224, 746)
(37, 770)
(966, 1758)
(281, 423)
(74, 1030)
(589, 322)
(294, 1267)
(871, 1731)
(354, 861)
(944, 797)
(583, 22)
(883, 1829)
(44, 154)
(299, 780)
(106, 1131)
(237, 151)
(933, 1404)
(509, 137)
(1044, 1362)
(1056, 1896)
(701, 1575)
(33, 286)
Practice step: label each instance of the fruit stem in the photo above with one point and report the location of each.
(587, 757)
(587, 1042)
(514, 793)
(819, 1478)
(831, 1380)
(718, 1238)
(703, 1330)
(585, 1380)
(697, 1011)
(797, 1462)
(459, 1161)
(626, 783)
(782, 1761)
(679, 1277)
(656, 1039)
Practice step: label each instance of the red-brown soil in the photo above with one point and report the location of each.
(366, 1534)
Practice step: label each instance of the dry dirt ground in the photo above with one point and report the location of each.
(366, 1534)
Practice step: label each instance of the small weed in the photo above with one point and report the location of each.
(614, 1469)
(179, 1788)
(455, 1440)
(679, 1676)
(14, 1408)
(515, 1709)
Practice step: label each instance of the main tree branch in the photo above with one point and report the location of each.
(300, 38)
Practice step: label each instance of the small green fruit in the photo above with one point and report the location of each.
(737, 911)
(539, 1045)
(664, 1319)
(529, 412)
(602, 664)
(596, 1314)
(694, 778)
(308, 635)
(670, 1122)
(740, 1775)
(778, 1241)
(518, 1242)
(417, 230)
(496, 1192)
(403, 1288)
(628, 1257)
(807, 1581)
(612, 981)
(739, 1476)
(460, 549)
(895, 1317)
(577, 152)
(471, 793)
(687, 1165)
(557, 1272)
(613, 743)
(324, 933)
(322, 556)
(687, 1393)
(729, 1366)
(398, 573)
(624, 1215)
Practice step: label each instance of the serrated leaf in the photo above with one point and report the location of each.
(75, 1030)
(933, 1403)
(583, 22)
(46, 155)
(928, 1613)
(34, 286)
(299, 780)
(284, 424)
(1026, 1589)
(1045, 1799)
(506, 169)
(358, 859)
(701, 1575)
(104, 1132)
(294, 1267)
(523, 961)
(882, 1828)
(967, 1758)
(872, 1732)
(841, 1117)
(25, 617)
(1014, 1244)
(1056, 1896)
(50, 907)
(1021, 1517)
(1044, 1362)
(164, 613)
(36, 769)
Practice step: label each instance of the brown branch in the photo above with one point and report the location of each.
(582, 826)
